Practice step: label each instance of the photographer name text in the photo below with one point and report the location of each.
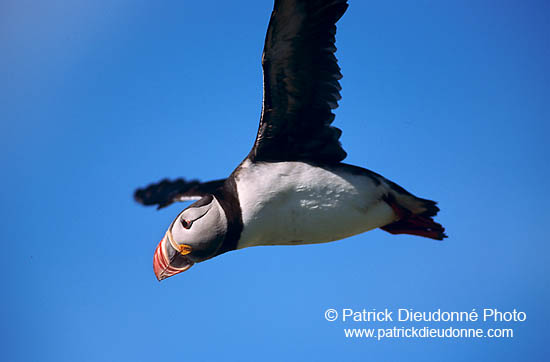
(411, 315)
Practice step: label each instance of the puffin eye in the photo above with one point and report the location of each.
(186, 223)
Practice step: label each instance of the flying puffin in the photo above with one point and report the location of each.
(292, 188)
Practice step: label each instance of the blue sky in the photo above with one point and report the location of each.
(448, 99)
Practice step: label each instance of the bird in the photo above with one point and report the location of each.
(292, 188)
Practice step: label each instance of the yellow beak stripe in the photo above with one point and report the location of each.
(185, 249)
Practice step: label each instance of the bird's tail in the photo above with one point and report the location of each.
(415, 216)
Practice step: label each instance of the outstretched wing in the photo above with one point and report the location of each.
(300, 84)
(166, 192)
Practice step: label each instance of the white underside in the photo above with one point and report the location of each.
(295, 203)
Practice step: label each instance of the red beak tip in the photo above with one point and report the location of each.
(161, 264)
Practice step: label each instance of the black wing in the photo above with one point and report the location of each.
(165, 192)
(300, 84)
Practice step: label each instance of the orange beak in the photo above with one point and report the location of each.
(168, 261)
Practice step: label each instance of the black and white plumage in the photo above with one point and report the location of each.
(292, 188)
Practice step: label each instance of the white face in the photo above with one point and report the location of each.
(202, 226)
(194, 236)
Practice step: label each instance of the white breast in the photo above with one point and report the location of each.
(296, 203)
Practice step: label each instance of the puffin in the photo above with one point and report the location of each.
(292, 188)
